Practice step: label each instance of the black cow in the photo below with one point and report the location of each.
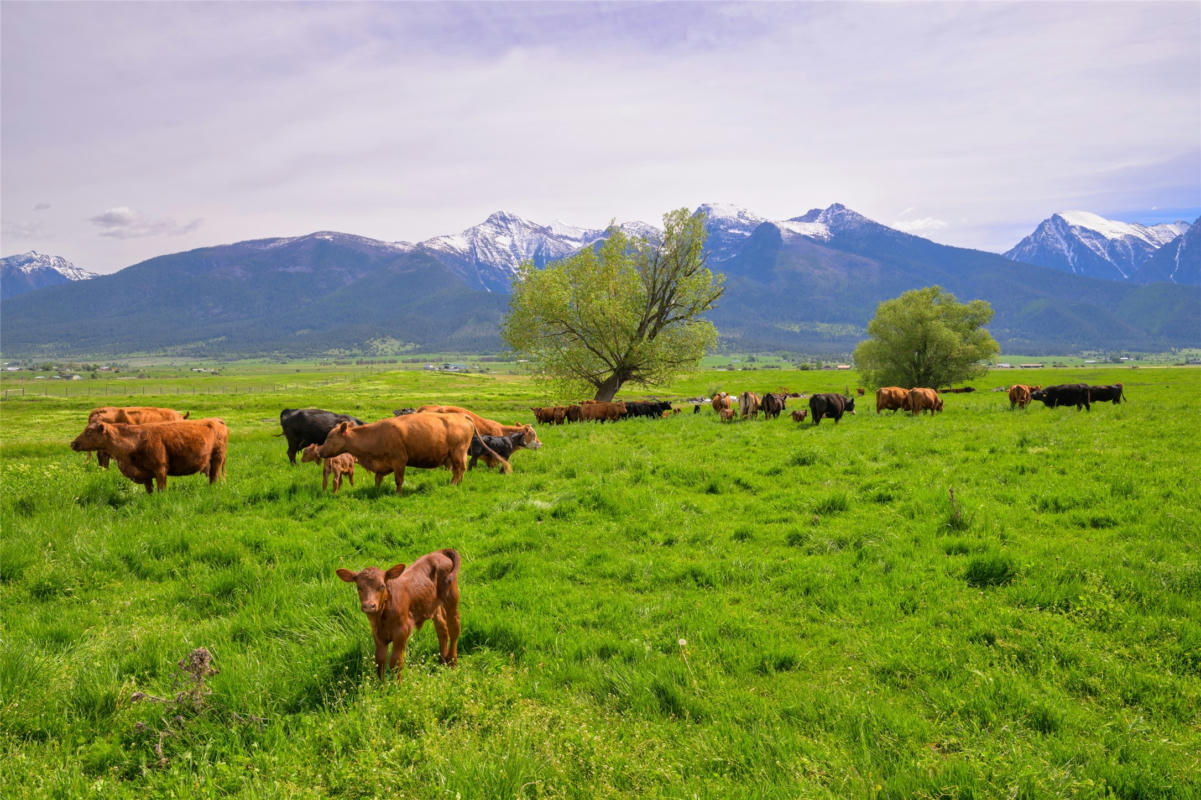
(494, 447)
(830, 405)
(773, 404)
(1065, 394)
(646, 408)
(1099, 394)
(306, 426)
(403, 412)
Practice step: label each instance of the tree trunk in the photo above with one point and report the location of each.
(606, 391)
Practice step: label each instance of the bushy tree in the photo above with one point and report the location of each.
(626, 311)
(926, 337)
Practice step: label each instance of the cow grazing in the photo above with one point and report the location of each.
(426, 441)
(147, 454)
(800, 414)
(748, 405)
(773, 404)
(602, 412)
(1065, 394)
(921, 399)
(305, 426)
(646, 408)
(496, 450)
(1099, 394)
(727, 414)
(1019, 396)
(486, 426)
(830, 405)
(722, 400)
(891, 398)
(399, 601)
(130, 415)
(338, 465)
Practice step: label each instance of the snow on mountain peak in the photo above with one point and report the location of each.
(32, 261)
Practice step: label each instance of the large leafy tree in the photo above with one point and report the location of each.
(926, 337)
(627, 311)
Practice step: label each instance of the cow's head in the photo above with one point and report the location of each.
(335, 441)
(310, 454)
(529, 438)
(94, 437)
(850, 409)
(372, 584)
(1038, 394)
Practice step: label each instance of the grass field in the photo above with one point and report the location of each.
(653, 608)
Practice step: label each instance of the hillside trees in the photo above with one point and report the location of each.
(627, 311)
(926, 337)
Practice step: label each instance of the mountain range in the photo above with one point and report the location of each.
(1088, 244)
(33, 270)
(809, 283)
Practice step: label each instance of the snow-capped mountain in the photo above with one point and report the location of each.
(728, 227)
(1088, 244)
(1178, 261)
(487, 255)
(33, 270)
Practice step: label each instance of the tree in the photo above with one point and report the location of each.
(626, 311)
(926, 338)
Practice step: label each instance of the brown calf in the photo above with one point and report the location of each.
(800, 414)
(339, 465)
(147, 454)
(727, 414)
(399, 601)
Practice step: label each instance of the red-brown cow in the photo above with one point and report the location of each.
(1019, 396)
(721, 400)
(748, 405)
(399, 601)
(130, 415)
(602, 412)
(422, 440)
(921, 399)
(147, 454)
(891, 398)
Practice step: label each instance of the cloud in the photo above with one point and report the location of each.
(41, 206)
(921, 225)
(123, 222)
(25, 230)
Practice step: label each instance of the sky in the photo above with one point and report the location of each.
(134, 130)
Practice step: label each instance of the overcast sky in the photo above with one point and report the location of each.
(133, 130)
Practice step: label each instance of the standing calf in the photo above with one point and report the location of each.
(340, 465)
(399, 601)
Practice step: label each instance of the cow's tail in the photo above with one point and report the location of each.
(455, 561)
(505, 466)
(187, 414)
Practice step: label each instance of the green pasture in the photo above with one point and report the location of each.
(652, 608)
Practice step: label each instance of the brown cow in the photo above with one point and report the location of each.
(774, 403)
(544, 414)
(130, 415)
(921, 399)
(800, 414)
(422, 440)
(748, 405)
(147, 454)
(573, 413)
(1019, 396)
(399, 601)
(591, 411)
(721, 400)
(890, 398)
(727, 414)
(338, 465)
(559, 415)
(487, 427)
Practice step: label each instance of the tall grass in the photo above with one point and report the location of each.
(849, 630)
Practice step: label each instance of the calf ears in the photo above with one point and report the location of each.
(393, 572)
(342, 428)
(347, 575)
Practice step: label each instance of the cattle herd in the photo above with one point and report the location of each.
(150, 444)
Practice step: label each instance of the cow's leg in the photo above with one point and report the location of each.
(325, 478)
(471, 464)
(149, 484)
(350, 474)
(397, 661)
(379, 478)
(458, 466)
(160, 480)
(381, 657)
(400, 478)
(450, 608)
(102, 458)
(439, 619)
